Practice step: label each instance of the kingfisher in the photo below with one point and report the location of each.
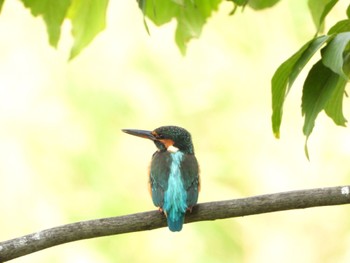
(174, 181)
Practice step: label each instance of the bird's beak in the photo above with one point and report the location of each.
(140, 133)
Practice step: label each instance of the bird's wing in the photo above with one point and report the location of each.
(159, 175)
(190, 176)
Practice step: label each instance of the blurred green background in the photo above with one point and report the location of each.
(64, 159)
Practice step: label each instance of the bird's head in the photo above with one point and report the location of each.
(167, 138)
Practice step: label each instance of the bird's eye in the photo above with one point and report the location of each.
(160, 136)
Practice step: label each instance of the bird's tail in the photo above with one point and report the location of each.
(175, 222)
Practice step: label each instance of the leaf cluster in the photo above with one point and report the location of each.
(323, 89)
(190, 15)
(324, 86)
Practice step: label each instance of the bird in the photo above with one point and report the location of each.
(174, 181)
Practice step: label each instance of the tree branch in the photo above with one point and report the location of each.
(24, 245)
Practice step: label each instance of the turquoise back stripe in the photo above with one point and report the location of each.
(175, 197)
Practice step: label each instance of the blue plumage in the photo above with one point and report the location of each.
(175, 196)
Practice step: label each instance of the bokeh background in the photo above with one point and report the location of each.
(64, 159)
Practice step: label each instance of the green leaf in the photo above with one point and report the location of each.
(190, 21)
(334, 106)
(239, 2)
(319, 10)
(179, 2)
(340, 27)
(332, 57)
(346, 67)
(142, 6)
(348, 12)
(1, 3)
(236, 4)
(191, 15)
(323, 89)
(88, 19)
(159, 11)
(319, 87)
(314, 46)
(53, 13)
(259, 4)
(285, 75)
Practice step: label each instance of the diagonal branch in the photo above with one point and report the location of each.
(24, 245)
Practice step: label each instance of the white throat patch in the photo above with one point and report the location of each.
(172, 149)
